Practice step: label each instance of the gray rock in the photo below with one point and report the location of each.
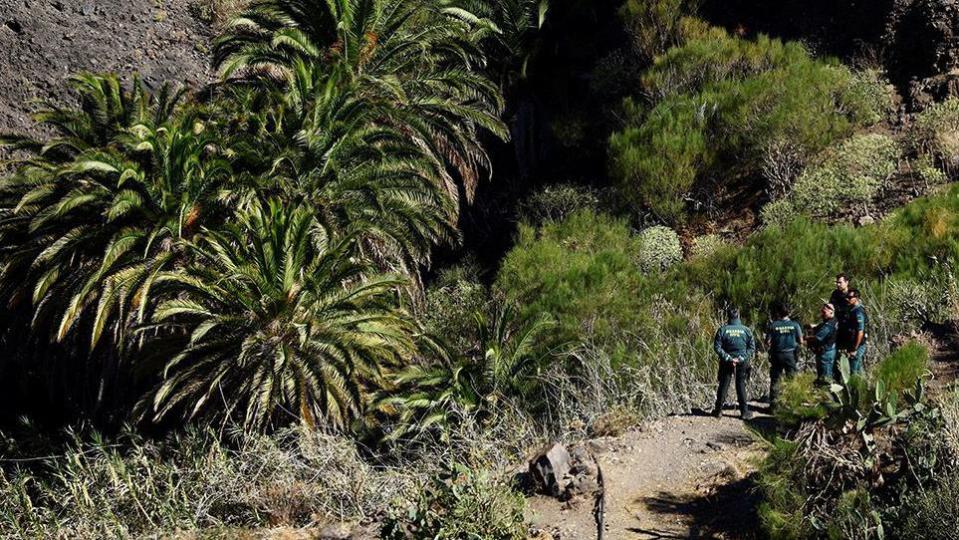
(549, 467)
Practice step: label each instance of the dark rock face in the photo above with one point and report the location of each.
(42, 42)
(916, 40)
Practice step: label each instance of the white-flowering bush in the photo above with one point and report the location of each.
(851, 175)
(659, 249)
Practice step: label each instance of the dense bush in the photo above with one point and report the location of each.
(654, 25)
(659, 249)
(718, 103)
(581, 270)
(790, 264)
(930, 297)
(556, 202)
(847, 181)
(461, 503)
(935, 132)
(800, 400)
(706, 245)
(899, 371)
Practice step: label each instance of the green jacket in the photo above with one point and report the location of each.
(784, 336)
(825, 334)
(734, 340)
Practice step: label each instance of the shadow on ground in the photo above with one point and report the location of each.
(727, 512)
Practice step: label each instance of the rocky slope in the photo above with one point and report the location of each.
(44, 41)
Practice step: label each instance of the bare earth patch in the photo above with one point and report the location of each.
(680, 477)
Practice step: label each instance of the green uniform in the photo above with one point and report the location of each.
(824, 336)
(784, 337)
(733, 340)
(856, 322)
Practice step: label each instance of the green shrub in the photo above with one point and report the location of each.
(659, 249)
(935, 132)
(460, 504)
(715, 56)
(722, 100)
(554, 203)
(874, 94)
(801, 400)
(852, 175)
(781, 510)
(706, 245)
(900, 370)
(654, 25)
(930, 297)
(928, 172)
(932, 513)
(453, 302)
(855, 518)
(793, 264)
(581, 270)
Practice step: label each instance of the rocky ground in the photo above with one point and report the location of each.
(679, 477)
(42, 42)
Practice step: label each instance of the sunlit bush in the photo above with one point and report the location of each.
(717, 102)
(463, 503)
(706, 245)
(659, 249)
(936, 132)
(849, 178)
(900, 370)
(581, 270)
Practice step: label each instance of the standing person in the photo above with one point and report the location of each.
(783, 339)
(856, 322)
(823, 342)
(841, 306)
(735, 346)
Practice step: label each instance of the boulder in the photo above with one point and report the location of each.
(549, 469)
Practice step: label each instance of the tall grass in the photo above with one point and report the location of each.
(133, 486)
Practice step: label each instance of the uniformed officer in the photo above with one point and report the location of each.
(841, 307)
(783, 339)
(735, 347)
(823, 342)
(856, 323)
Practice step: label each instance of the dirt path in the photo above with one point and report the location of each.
(680, 477)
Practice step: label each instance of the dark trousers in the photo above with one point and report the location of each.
(726, 372)
(781, 365)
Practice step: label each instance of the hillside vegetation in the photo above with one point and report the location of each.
(340, 285)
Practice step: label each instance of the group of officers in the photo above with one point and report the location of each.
(842, 331)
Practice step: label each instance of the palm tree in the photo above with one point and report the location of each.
(508, 31)
(280, 316)
(507, 362)
(409, 61)
(88, 222)
(321, 146)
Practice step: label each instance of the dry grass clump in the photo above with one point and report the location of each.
(293, 478)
